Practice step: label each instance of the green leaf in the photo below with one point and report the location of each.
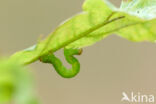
(135, 20)
(145, 9)
(15, 84)
(140, 31)
(76, 28)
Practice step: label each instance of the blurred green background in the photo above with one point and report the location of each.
(108, 68)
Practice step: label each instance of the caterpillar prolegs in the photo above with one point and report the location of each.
(59, 67)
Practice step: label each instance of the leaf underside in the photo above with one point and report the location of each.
(135, 20)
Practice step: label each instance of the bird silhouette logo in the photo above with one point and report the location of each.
(125, 97)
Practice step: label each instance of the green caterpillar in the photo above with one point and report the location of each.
(57, 64)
